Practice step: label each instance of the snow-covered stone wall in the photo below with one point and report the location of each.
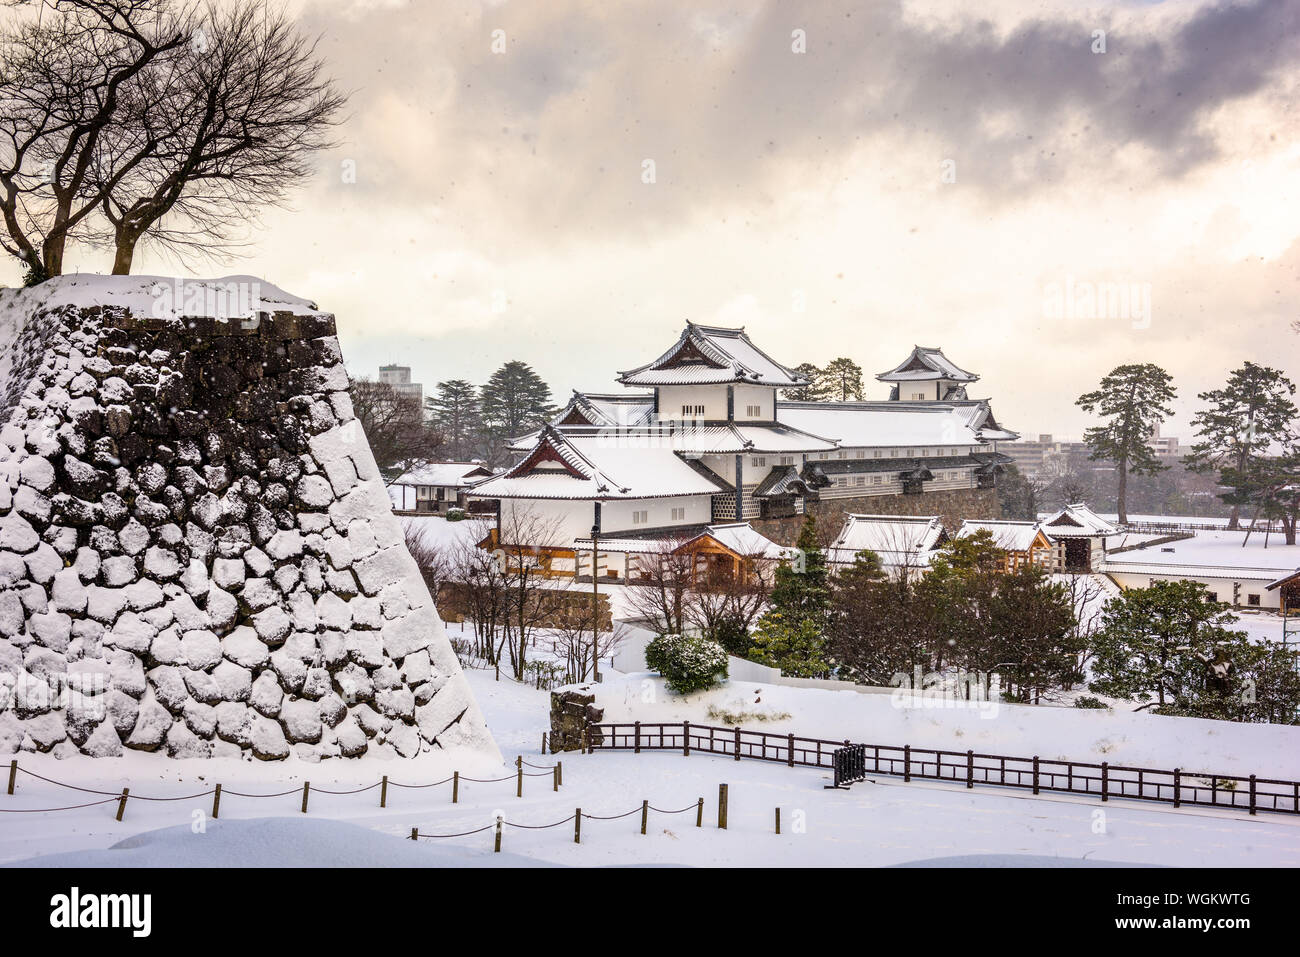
(197, 555)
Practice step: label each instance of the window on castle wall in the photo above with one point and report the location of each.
(640, 517)
(679, 515)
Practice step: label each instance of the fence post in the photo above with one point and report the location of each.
(699, 813)
(577, 826)
(737, 744)
(555, 778)
(790, 744)
(778, 820)
(1035, 774)
(121, 804)
(1178, 781)
(1105, 777)
(686, 738)
(13, 774)
(306, 790)
(559, 772)
(970, 769)
(907, 763)
(455, 786)
(414, 833)
(636, 738)
(519, 776)
(1252, 794)
(496, 847)
(722, 806)
(543, 742)
(645, 813)
(383, 792)
(216, 801)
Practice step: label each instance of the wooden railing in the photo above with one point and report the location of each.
(1177, 787)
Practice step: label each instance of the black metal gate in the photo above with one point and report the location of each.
(849, 764)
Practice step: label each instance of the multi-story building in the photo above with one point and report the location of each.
(399, 377)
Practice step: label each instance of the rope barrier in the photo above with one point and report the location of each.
(462, 833)
(46, 810)
(682, 811)
(612, 817)
(394, 784)
(368, 787)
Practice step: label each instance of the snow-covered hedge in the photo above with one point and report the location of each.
(687, 663)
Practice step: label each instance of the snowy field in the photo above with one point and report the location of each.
(885, 822)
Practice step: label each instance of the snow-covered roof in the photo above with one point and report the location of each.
(1013, 536)
(741, 538)
(897, 540)
(566, 466)
(1210, 555)
(1078, 521)
(926, 363)
(882, 424)
(713, 354)
(688, 437)
(606, 410)
(447, 474)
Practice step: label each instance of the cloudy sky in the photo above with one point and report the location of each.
(916, 175)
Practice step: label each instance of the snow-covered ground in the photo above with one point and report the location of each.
(875, 823)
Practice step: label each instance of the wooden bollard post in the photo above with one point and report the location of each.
(383, 792)
(778, 820)
(414, 833)
(577, 826)
(645, 813)
(1035, 774)
(519, 777)
(559, 772)
(1105, 774)
(543, 742)
(555, 778)
(216, 801)
(699, 813)
(306, 790)
(1178, 787)
(121, 804)
(496, 847)
(970, 769)
(722, 806)
(13, 774)
(455, 786)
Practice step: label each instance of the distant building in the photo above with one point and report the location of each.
(399, 377)
(1165, 446)
(437, 487)
(1031, 457)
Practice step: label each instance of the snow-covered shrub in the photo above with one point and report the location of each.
(687, 663)
(1088, 701)
(455, 514)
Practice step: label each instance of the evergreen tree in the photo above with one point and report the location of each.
(1132, 401)
(791, 635)
(1019, 496)
(841, 379)
(814, 391)
(1249, 414)
(1160, 644)
(514, 400)
(454, 411)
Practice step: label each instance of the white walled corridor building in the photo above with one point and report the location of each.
(707, 440)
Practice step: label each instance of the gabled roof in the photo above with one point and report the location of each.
(1284, 580)
(1078, 521)
(563, 466)
(782, 480)
(590, 408)
(713, 354)
(926, 363)
(447, 474)
(898, 540)
(1013, 536)
(979, 416)
(742, 540)
(882, 424)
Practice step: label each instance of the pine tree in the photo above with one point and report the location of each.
(1133, 402)
(514, 400)
(1249, 414)
(814, 391)
(841, 380)
(454, 411)
(791, 635)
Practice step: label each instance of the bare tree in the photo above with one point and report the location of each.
(523, 534)
(659, 593)
(225, 124)
(395, 427)
(63, 80)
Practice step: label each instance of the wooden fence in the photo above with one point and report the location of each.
(1105, 781)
